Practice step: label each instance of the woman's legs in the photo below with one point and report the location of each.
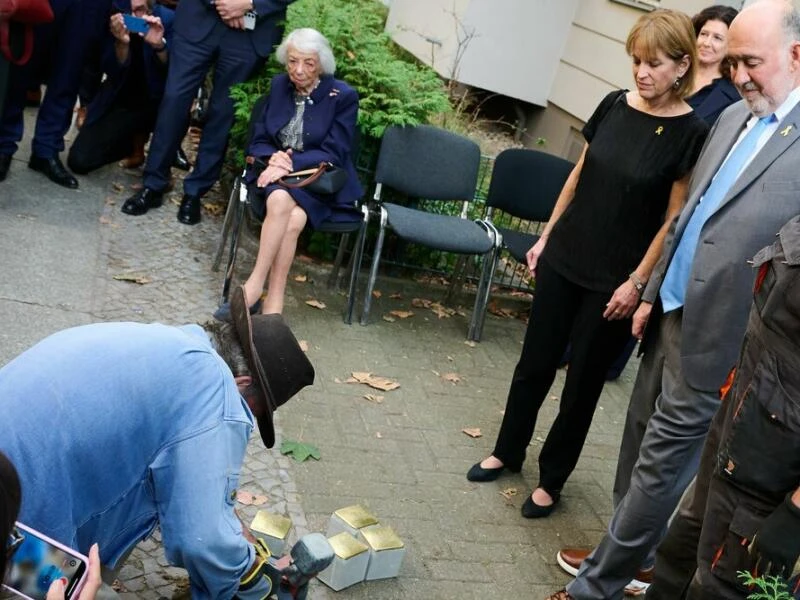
(273, 230)
(279, 272)
(596, 342)
(549, 326)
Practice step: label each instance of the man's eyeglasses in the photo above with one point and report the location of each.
(15, 539)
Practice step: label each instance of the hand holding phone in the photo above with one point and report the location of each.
(38, 561)
(135, 24)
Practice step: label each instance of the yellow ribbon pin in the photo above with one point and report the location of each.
(785, 131)
(660, 130)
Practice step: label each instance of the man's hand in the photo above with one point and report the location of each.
(155, 31)
(234, 22)
(232, 9)
(116, 25)
(93, 580)
(776, 546)
(640, 318)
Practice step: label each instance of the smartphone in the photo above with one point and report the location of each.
(38, 561)
(135, 24)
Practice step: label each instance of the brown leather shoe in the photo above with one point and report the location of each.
(570, 559)
(136, 157)
(562, 594)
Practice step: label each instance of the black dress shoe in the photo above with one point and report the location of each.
(54, 169)
(142, 201)
(189, 210)
(531, 510)
(223, 313)
(478, 473)
(5, 165)
(181, 161)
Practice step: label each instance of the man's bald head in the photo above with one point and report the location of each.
(764, 54)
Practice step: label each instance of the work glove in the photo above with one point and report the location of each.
(776, 546)
(257, 583)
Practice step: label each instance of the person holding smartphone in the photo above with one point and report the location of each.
(10, 500)
(123, 114)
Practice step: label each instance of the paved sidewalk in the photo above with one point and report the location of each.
(404, 458)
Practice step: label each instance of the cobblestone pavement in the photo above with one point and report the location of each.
(404, 458)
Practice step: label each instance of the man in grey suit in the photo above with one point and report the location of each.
(745, 186)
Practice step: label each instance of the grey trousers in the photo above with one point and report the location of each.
(668, 460)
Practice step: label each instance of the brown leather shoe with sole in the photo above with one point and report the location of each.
(570, 559)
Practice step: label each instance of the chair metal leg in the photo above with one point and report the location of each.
(488, 268)
(373, 272)
(236, 231)
(355, 268)
(226, 223)
(333, 276)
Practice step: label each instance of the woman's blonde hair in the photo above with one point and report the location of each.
(671, 32)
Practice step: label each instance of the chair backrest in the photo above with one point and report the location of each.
(526, 183)
(428, 162)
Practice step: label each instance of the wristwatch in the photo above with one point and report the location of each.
(163, 46)
(637, 283)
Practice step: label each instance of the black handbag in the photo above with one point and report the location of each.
(325, 179)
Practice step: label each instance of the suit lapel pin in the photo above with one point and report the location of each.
(660, 130)
(785, 131)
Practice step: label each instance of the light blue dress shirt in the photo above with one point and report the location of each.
(116, 428)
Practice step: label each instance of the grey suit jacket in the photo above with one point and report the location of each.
(719, 292)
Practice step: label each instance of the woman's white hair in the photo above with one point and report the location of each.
(308, 41)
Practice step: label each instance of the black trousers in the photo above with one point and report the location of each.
(562, 312)
(110, 138)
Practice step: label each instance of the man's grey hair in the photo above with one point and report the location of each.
(308, 41)
(791, 24)
(226, 343)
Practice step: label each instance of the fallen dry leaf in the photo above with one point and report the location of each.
(508, 493)
(421, 303)
(259, 500)
(453, 378)
(376, 294)
(316, 304)
(554, 398)
(389, 319)
(244, 497)
(378, 435)
(337, 380)
(396, 296)
(301, 278)
(303, 345)
(470, 343)
(117, 187)
(379, 383)
(132, 278)
(401, 314)
(473, 432)
(374, 398)
(441, 311)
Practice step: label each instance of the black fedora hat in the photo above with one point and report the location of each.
(276, 361)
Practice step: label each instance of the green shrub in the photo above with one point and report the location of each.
(766, 587)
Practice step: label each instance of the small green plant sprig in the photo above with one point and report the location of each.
(766, 587)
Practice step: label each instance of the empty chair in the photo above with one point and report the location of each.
(525, 185)
(430, 163)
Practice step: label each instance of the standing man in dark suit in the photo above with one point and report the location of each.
(743, 189)
(57, 60)
(235, 36)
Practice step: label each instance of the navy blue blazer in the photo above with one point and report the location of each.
(195, 20)
(329, 126)
(709, 102)
(155, 70)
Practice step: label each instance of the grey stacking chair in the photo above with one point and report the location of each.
(525, 185)
(241, 209)
(427, 162)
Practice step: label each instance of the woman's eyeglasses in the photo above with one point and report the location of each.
(15, 539)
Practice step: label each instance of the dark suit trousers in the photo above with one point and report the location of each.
(57, 61)
(561, 312)
(110, 138)
(234, 60)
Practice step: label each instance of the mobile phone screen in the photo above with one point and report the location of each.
(39, 561)
(135, 24)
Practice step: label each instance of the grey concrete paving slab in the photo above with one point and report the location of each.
(69, 258)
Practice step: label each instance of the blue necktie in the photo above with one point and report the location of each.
(673, 289)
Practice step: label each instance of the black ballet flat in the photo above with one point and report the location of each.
(531, 510)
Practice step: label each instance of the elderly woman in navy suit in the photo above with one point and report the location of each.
(309, 118)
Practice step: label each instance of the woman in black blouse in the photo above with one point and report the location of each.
(712, 90)
(598, 249)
